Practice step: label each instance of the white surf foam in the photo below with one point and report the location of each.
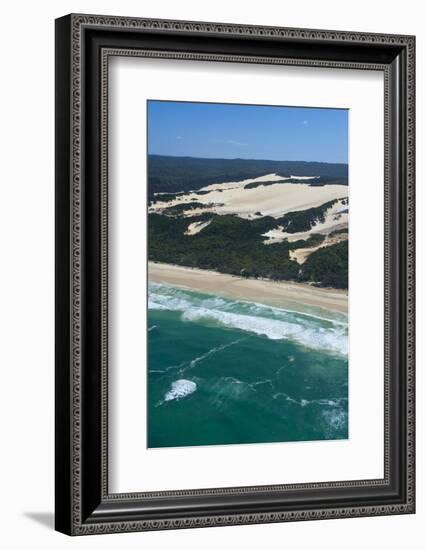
(180, 389)
(316, 338)
(271, 322)
(194, 362)
(333, 403)
(335, 419)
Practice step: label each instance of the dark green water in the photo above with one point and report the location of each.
(227, 372)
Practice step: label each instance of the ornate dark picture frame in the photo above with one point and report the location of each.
(84, 44)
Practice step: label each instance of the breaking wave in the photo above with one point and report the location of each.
(308, 330)
(180, 389)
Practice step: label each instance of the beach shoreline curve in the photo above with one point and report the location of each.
(284, 294)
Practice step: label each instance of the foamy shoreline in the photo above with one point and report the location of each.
(297, 296)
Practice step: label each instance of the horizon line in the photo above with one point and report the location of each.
(242, 158)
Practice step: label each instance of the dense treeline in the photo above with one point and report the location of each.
(230, 244)
(304, 220)
(313, 240)
(339, 232)
(254, 184)
(328, 266)
(185, 206)
(317, 182)
(300, 220)
(328, 180)
(173, 174)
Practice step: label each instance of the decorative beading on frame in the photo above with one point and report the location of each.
(410, 360)
(238, 30)
(239, 519)
(76, 271)
(78, 21)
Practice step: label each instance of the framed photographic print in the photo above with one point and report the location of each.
(234, 274)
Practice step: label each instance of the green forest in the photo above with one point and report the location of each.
(328, 265)
(317, 182)
(230, 244)
(167, 174)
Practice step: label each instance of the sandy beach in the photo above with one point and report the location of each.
(296, 296)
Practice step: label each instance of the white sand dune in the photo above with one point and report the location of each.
(336, 217)
(196, 227)
(242, 183)
(272, 200)
(302, 254)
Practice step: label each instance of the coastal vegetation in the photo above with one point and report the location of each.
(314, 240)
(315, 182)
(255, 184)
(171, 174)
(183, 207)
(328, 265)
(187, 232)
(304, 220)
(328, 180)
(342, 231)
(230, 244)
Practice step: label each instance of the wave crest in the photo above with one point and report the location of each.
(271, 322)
(180, 389)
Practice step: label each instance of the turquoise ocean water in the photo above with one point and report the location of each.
(223, 371)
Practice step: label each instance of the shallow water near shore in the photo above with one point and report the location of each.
(223, 371)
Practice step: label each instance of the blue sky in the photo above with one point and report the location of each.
(218, 130)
